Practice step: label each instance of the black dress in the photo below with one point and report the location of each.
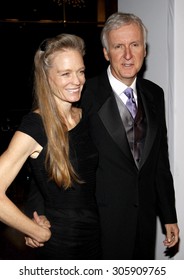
(73, 212)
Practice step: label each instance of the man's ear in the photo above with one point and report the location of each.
(106, 54)
(145, 52)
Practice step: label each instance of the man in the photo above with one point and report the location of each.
(134, 182)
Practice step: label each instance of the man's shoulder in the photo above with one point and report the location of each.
(146, 83)
(100, 77)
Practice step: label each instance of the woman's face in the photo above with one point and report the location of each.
(67, 75)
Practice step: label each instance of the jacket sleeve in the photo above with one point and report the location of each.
(164, 178)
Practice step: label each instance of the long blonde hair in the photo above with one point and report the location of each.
(57, 162)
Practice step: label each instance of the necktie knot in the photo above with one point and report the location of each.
(129, 93)
(131, 104)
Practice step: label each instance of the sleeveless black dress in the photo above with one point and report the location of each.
(73, 212)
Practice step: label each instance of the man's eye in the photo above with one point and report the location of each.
(65, 74)
(118, 46)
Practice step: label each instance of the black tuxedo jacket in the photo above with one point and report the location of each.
(129, 198)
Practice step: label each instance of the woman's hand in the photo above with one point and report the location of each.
(45, 224)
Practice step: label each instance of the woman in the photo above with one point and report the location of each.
(54, 137)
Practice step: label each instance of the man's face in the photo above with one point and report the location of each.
(126, 52)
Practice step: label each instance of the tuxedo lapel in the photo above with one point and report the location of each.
(109, 114)
(152, 127)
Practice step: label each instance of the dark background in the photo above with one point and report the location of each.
(83, 10)
(23, 26)
(19, 42)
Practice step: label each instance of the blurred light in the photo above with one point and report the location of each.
(74, 3)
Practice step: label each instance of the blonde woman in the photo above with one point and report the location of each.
(54, 138)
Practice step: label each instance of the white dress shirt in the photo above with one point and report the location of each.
(118, 87)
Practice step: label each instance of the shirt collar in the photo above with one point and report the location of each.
(117, 86)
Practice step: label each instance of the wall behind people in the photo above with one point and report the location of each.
(178, 115)
(163, 66)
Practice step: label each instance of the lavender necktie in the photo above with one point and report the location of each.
(131, 104)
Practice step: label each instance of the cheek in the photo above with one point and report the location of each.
(139, 58)
(82, 80)
(114, 58)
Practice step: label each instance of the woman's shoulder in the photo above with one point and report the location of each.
(32, 125)
(31, 119)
